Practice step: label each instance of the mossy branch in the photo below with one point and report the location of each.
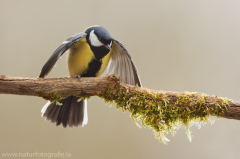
(162, 111)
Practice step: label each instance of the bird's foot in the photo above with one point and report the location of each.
(78, 76)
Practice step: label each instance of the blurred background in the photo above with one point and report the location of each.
(176, 45)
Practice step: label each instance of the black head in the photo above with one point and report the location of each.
(98, 36)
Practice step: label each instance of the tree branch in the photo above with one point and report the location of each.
(93, 86)
(159, 110)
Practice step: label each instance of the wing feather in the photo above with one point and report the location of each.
(59, 52)
(122, 64)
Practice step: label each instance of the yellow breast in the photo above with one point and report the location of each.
(105, 61)
(80, 56)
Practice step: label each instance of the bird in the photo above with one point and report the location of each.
(90, 53)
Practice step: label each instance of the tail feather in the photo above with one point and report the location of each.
(51, 113)
(85, 116)
(70, 113)
(71, 117)
(66, 104)
(45, 108)
(53, 119)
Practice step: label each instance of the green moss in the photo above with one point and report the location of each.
(40, 94)
(157, 112)
(51, 96)
(83, 98)
(40, 79)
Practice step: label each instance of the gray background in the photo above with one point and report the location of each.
(187, 45)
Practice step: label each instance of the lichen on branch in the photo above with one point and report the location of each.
(162, 114)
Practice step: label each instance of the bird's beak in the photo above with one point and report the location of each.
(108, 47)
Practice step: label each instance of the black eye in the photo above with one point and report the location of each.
(100, 38)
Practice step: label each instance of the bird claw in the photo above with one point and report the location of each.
(78, 76)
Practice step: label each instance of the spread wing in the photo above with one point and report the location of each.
(122, 64)
(59, 52)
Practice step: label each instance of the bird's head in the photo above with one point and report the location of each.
(98, 36)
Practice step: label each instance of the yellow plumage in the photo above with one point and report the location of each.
(105, 61)
(80, 56)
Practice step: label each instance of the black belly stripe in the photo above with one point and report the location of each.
(93, 68)
(95, 65)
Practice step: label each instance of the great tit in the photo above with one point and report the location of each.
(91, 52)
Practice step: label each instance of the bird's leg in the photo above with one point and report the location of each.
(78, 76)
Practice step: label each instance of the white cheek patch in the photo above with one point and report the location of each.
(110, 44)
(94, 39)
